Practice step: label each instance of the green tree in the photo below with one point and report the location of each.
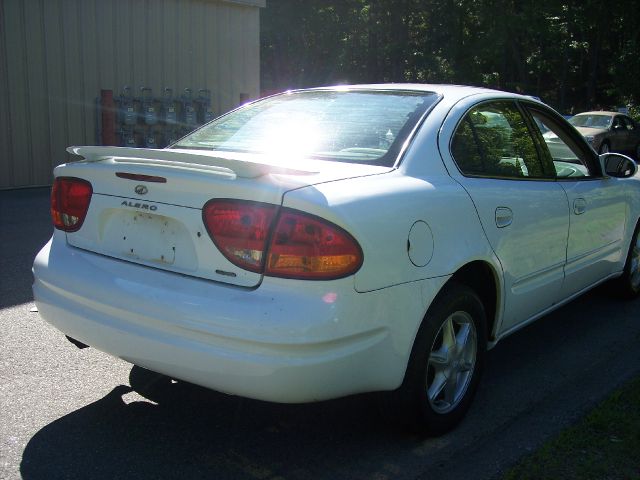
(574, 54)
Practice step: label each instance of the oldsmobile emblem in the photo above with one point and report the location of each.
(141, 190)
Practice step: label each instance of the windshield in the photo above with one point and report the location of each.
(591, 121)
(339, 125)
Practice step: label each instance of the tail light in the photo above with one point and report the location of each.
(308, 247)
(240, 230)
(70, 198)
(292, 244)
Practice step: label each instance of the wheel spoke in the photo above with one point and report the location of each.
(451, 390)
(448, 333)
(437, 386)
(465, 366)
(439, 359)
(462, 339)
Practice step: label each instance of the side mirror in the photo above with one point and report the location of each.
(618, 165)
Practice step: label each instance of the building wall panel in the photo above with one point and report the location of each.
(154, 46)
(36, 88)
(56, 56)
(73, 43)
(57, 98)
(89, 59)
(212, 55)
(17, 82)
(6, 140)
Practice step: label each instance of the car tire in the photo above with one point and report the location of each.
(604, 148)
(445, 365)
(628, 285)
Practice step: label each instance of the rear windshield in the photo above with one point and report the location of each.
(350, 126)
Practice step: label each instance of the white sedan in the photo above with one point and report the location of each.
(325, 242)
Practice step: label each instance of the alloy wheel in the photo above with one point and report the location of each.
(451, 362)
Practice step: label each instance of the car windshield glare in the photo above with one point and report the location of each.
(591, 121)
(364, 126)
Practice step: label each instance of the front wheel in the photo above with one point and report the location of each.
(446, 363)
(629, 282)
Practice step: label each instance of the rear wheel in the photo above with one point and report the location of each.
(445, 365)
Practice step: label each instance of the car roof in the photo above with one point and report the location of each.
(446, 90)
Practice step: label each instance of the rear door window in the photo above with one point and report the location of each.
(493, 140)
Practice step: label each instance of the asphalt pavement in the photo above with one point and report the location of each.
(70, 413)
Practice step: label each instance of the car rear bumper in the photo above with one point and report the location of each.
(322, 340)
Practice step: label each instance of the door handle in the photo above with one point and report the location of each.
(579, 206)
(504, 217)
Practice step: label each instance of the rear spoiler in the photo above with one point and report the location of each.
(242, 165)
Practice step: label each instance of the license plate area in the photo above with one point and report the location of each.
(144, 236)
(169, 237)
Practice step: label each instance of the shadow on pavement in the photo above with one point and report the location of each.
(191, 432)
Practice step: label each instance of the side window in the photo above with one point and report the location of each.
(493, 140)
(569, 157)
(618, 122)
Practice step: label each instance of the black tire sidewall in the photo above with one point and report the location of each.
(413, 392)
(625, 284)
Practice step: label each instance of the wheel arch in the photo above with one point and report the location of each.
(482, 278)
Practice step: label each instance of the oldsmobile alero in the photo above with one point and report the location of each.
(325, 242)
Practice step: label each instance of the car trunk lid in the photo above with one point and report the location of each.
(146, 206)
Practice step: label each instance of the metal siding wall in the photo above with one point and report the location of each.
(154, 44)
(212, 55)
(199, 49)
(37, 103)
(20, 152)
(6, 142)
(73, 43)
(56, 56)
(57, 98)
(225, 89)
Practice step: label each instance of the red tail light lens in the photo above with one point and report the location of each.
(240, 230)
(70, 198)
(296, 245)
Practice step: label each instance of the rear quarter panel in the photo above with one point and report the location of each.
(380, 210)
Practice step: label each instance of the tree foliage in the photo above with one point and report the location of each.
(574, 54)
